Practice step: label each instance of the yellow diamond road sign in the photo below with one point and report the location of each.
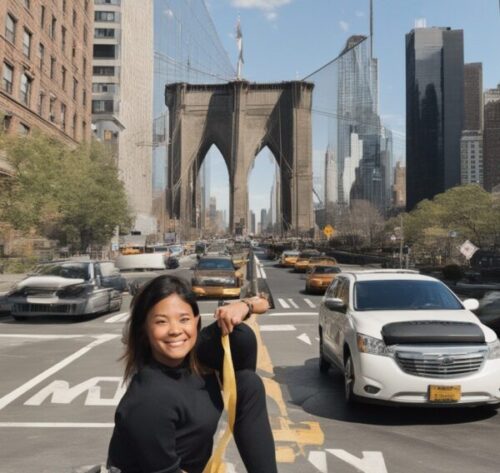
(328, 231)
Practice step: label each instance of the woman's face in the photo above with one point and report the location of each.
(172, 330)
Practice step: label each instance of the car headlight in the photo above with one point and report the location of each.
(494, 350)
(72, 291)
(372, 345)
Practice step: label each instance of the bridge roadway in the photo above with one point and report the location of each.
(60, 384)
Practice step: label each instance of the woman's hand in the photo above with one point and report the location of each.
(233, 314)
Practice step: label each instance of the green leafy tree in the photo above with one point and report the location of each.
(73, 195)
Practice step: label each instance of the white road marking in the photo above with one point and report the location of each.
(304, 338)
(260, 267)
(60, 425)
(257, 270)
(286, 314)
(370, 462)
(293, 304)
(41, 336)
(13, 395)
(277, 328)
(117, 318)
(283, 304)
(60, 392)
(310, 303)
(318, 460)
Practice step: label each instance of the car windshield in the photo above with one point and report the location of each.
(215, 264)
(66, 270)
(326, 269)
(404, 295)
(309, 253)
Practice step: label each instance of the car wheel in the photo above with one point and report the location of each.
(324, 365)
(349, 377)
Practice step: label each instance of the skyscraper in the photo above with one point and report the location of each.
(491, 155)
(434, 111)
(471, 143)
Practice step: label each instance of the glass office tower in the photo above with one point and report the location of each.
(434, 111)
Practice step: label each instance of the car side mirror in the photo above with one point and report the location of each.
(471, 304)
(334, 303)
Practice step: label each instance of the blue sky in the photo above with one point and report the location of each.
(289, 39)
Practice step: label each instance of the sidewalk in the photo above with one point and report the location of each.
(8, 280)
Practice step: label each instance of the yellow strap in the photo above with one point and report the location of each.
(215, 464)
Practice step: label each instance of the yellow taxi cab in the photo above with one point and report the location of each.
(321, 261)
(320, 277)
(302, 262)
(216, 276)
(289, 258)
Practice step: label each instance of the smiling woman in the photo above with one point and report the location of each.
(167, 418)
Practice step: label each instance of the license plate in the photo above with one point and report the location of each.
(445, 393)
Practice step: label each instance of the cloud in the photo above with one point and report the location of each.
(344, 26)
(269, 7)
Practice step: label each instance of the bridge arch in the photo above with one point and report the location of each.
(241, 118)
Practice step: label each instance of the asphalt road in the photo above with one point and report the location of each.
(60, 382)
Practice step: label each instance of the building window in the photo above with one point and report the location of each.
(84, 98)
(27, 4)
(85, 35)
(86, 5)
(26, 43)
(84, 129)
(53, 26)
(25, 89)
(42, 17)
(104, 16)
(41, 54)
(73, 125)
(73, 52)
(84, 66)
(75, 88)
(102, 106)
(74, 17)
(7, 78)
(63, 78)
(104, 70)
(63, 39)
(103, 87)
(24, 129)
(52, 67)
(64, 6)
(107, 2)
(41, 102)
(52, 106)
(108, 135)
(63, 116)
(104, 33)
(10, 28)
(104, 51)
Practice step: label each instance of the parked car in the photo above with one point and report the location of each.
(216, 276)
(320, 277)
(68, 288)
(289, 258)
(405, 338)
(303, 260)
(489, 310)
(320, 261)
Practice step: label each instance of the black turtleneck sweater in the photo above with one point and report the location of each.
(167, 418)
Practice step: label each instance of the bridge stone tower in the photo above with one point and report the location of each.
(241, 118)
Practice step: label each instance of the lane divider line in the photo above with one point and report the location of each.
(277, 328)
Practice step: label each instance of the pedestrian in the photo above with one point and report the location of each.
(168, 416)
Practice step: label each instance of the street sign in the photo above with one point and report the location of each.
(468, 249)
(328, 231)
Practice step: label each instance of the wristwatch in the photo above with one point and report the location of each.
(250, 308)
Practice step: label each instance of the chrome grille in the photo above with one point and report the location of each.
(43, 308)
(442, 364)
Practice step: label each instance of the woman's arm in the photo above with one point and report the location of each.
(230, 315)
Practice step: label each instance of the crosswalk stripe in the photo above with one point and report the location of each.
(277, 328)
(310, 303)
(283, 304)
(293, 304)
(287, 314)
(117, 318)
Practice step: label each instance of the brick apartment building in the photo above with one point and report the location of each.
(46, 67)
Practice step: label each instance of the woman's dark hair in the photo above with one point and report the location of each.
(138, 350)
